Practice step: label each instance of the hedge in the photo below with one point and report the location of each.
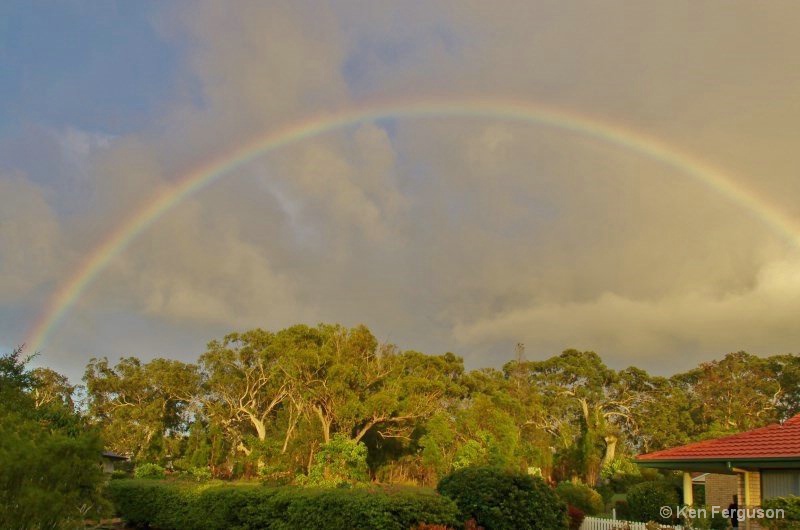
(177, 506)
(504, 500)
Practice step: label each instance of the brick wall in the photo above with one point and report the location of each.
(720, 489)
(754, 480)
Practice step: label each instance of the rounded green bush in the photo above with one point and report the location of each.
(581, 496)
(646, 499)
(149, 471)
(499, 499)
(200, 474)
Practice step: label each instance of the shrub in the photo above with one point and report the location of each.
(576, 517)
(339, 461)
(791, 513)
(200, 474)
(581, 496)
(119, 474)
(174, 506)
(620, 475)
(149, 471)
(646, 499)
(622, 510)
(498, 499)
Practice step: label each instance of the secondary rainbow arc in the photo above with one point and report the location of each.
(68, 292)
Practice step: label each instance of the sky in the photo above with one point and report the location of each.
(465, 233)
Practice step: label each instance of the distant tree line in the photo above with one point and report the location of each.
(271, 404)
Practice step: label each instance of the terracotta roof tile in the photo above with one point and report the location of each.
(772, 441)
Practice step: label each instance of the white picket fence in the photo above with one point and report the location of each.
(596, 523)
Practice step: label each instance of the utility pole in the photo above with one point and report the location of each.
(519, 351)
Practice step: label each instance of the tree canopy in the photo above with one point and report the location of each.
(330, 402)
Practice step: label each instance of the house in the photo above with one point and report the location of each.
(107, 459)
(753, 466)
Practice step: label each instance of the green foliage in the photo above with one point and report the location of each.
(619, 467)
(619, 476)
(317, 402)
(50, 474)
(706, 520)
(149, 470)
(646, 499)
(140, 403)
(155, 503)
(791, 513)
(499, 499)
(338, 462)
(200, 474)
(482, 434)
(184, 507)
(581, 496)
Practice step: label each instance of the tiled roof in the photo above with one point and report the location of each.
(773, 441)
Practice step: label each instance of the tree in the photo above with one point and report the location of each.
(739, 392)
(787, 369)
(244, 386)
(351, 384)
(51, 387)
(584, 406)
(659, 412)
(139, 404)
(50, 474)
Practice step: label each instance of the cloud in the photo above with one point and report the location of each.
(676, 327)
(30, 239)
(446, 233)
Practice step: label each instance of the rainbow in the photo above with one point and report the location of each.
(68, 292)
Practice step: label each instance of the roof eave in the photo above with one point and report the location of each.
(721, 464)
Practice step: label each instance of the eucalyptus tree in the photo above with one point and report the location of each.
(738, 392)
(51, 387)
(586, 405)
(787, 368)
(243, 385)
(137, 403)
(347, 382)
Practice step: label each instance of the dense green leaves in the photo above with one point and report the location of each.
(788, 518)
(140, 404)
(333, 406)
(270, 404)
(338, 462)
(184, 507)
(580, 496)
(148, 470)
(266, 404)
(499, 499)
(646, 500)
(50, 473)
